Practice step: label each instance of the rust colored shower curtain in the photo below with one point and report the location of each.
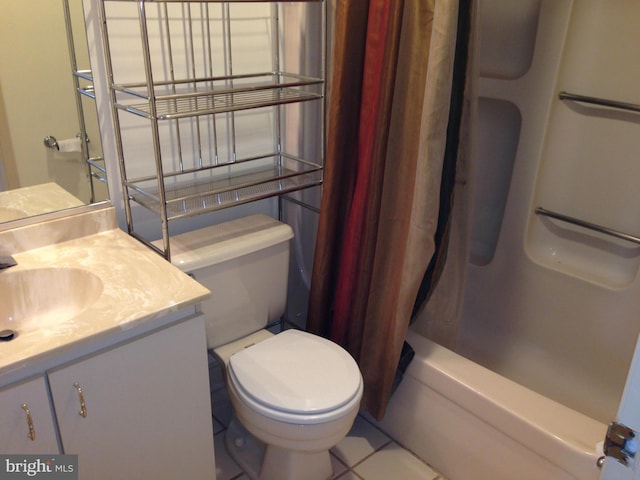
(387, 127)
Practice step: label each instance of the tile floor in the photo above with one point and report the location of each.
(366, 453)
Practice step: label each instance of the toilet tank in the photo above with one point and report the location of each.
(245, 264)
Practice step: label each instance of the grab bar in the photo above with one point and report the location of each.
(588, 225)
(631, 107)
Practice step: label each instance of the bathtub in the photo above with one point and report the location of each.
(470, 423)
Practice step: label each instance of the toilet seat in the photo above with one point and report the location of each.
(296, 377)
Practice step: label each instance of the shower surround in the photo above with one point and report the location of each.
(549, 314)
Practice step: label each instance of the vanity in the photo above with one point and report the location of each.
(115, 371)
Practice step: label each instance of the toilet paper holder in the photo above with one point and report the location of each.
(51, 142)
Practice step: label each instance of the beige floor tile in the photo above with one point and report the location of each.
(349, 476)
(221, 406)
(216, 380)
(338, 467)
(362, 441)
(393, 462)
(217, 427)
(226, 468)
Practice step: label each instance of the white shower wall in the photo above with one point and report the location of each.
(548, 305)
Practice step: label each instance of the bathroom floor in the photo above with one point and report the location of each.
(366, 453)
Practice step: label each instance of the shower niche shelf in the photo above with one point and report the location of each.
(215, 104)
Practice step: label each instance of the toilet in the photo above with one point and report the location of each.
(294, 395)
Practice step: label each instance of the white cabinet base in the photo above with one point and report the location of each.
(148, 410)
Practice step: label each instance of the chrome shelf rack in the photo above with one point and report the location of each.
(194, 119)
(96, 169)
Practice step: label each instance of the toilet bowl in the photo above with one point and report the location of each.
(294, 395)
(295, 392)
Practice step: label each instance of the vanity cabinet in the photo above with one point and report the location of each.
(226, 105)
(138, 410)
(26, 421)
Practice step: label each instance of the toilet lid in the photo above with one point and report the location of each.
(296, 372)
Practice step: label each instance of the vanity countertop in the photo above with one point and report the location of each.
(35, 200)
(139, 287)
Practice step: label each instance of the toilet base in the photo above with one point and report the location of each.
(281, 464)
(245, 449)
(267, 462)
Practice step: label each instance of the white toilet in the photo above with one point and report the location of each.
(296, 393)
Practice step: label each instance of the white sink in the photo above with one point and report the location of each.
(45, 298)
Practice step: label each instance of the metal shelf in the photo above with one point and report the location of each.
(210, 192)
(216, 1)
(254, 91)
(195, 124)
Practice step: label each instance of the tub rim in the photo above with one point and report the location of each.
(566, 438)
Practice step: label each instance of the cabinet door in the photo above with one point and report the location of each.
(144, 408)
(26, 423)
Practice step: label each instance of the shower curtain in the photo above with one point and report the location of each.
(388, 115)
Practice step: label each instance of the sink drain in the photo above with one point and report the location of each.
(6, 335)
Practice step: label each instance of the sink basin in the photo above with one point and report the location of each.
(9, 213)
(45, 298)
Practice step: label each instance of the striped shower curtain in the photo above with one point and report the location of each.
(388, 118)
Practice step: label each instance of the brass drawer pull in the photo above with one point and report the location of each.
(83, 406)
(32, 430)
